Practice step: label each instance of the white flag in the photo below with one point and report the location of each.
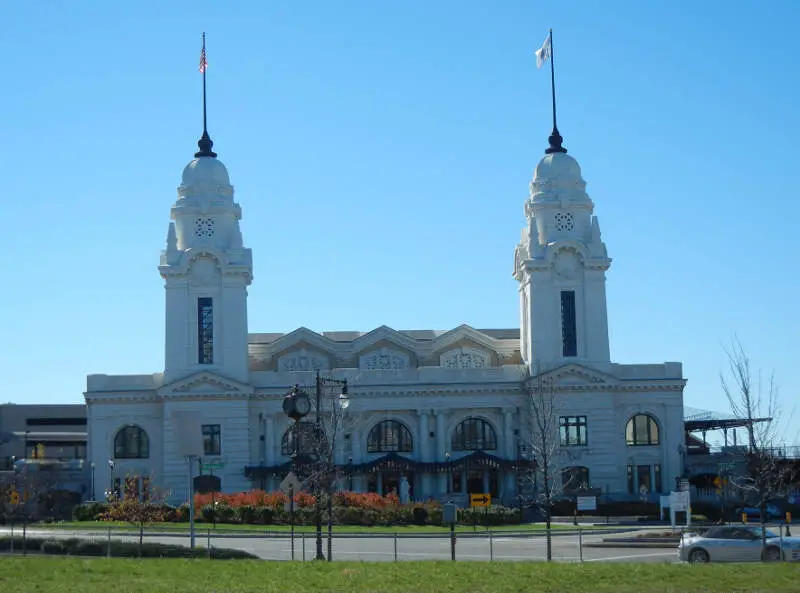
(543, 54)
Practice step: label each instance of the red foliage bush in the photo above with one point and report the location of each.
(255, 498)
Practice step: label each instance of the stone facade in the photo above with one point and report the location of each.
(449, 410)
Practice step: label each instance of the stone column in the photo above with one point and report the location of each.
(423, 440)
(508, 432)
(441, 444)
(269, 441)
(441, 436)
(423, 481)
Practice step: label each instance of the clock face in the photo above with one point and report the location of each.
(302, 404)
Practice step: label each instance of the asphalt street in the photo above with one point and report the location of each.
(566, 548)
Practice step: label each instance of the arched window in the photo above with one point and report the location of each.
(131, 442)
(309, 440)
(574, 478)
(474, 434)
(642, 429)
(388, 436)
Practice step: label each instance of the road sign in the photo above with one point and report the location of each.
(291, 484)
(587, 503)
(480, 500)
(207, 467)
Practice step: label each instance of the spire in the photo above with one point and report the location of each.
(543, 54)
(205, 143)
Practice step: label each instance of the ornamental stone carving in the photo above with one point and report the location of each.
(566, 264)
(205, 272)
(303, 360)
(464, 358)
(384, 359)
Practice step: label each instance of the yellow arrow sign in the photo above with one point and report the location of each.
(480, 500)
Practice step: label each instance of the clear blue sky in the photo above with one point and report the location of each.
(381, 153)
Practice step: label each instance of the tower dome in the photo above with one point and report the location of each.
(205, 172)
(558, 174)
(557, 166)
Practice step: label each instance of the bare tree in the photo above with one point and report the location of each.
(317, 445)
(140, 506)
(756, 402)
(543, 442)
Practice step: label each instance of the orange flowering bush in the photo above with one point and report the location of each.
(254, 498)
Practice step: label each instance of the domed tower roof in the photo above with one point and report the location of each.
(205, 172)
(558, 173)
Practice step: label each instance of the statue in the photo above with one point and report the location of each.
(404, 490)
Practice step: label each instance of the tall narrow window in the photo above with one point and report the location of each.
(569, 331)
(212, 439)
(205, 330)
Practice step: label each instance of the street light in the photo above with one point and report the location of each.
(297, 405)
(449, 472)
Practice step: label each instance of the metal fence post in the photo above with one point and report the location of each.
(395, 546)
(491, 547)
(108, 543)
(208, 540)
(580, 544)
(303, 540)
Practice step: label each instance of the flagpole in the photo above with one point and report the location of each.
(205, 143)
(552, 78)
(205, 127)
(555, 138)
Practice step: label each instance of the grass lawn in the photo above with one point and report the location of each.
(307, 528)
(64, 575)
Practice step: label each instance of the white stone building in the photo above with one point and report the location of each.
(448, 409)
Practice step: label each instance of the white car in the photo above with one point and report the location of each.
(737, 543)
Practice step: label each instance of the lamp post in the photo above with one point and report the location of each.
(449, 472)
(91, 482)
(297, 405)
(111, 478)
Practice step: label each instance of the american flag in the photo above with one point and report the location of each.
(203, 63)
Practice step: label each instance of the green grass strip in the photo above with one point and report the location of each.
(63, 575)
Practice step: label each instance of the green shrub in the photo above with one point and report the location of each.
(264, 515)
(245, 514)
(119, 549)
(31, 543)
(92, 511)
(420, 515)
(181, 514)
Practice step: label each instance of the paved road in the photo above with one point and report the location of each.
(566, 548)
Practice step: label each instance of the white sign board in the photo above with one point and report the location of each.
(587, 503)
(187, 434)
(290, 484)
(680, 502)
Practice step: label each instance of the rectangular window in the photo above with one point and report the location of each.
(205, 330)
(572, 430)
(212, 439)
(55, 421)
(569, 330)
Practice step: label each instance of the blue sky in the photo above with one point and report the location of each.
(381, 153)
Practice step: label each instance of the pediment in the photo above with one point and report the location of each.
(461, 333)
(576, 374)
(304, 337)
(384, 333)
(205, 383)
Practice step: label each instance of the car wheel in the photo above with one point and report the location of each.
(772, 554)
(699, 557)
